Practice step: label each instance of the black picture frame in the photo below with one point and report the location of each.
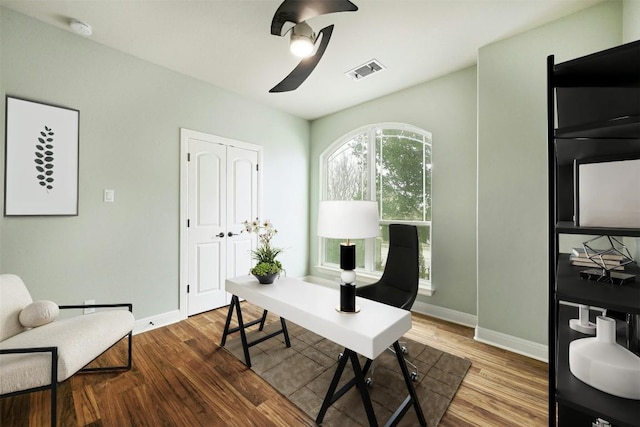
(41, 159)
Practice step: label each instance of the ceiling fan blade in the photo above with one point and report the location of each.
(306, 66)
(297, 11)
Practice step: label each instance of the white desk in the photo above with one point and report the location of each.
(368, 332)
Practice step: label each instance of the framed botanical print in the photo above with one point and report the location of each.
(41, 159)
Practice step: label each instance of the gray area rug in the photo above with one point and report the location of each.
(303, 373)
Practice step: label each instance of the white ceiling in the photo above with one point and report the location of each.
(228, 42)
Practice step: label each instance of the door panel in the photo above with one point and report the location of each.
(242, 205)
(207, 226)
(240, 252)
(208, 171)
(207, 255)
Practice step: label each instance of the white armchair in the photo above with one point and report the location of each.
(37, 351)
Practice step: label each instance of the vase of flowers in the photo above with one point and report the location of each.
(267, 267)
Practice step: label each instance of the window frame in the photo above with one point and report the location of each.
(368, 274)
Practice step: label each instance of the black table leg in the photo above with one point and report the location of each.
(243, 334)
(359, 373)
(226, 332)
(413, 396)
(332, 395)
(285, 331)
(263, 319)
(235, 305)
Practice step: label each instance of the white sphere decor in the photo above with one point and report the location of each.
(603, 364)
(348, 276)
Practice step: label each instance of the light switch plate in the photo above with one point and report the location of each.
(109, 196)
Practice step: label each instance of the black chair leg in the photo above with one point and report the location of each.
(54, 404)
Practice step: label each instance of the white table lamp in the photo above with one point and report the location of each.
(348, 219)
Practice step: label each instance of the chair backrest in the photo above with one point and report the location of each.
(402, 270)
(14, 296)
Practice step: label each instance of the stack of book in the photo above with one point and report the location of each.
(612, 260)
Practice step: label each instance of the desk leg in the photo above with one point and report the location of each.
(235, 305)
(413, 396)
(226, 331)
(332, 395)
(262, 320)
(243, 334)
(285, 331)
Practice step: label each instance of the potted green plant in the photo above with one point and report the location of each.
(267, 267)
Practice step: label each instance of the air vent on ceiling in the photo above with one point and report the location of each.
(365, 70)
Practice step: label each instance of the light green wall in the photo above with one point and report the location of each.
(131, 113)
(512, 166)
(446, 107)
(630, 20)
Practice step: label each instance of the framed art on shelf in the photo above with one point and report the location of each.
(41, 159)
(607, 191)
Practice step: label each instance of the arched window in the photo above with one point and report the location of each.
(389, 163)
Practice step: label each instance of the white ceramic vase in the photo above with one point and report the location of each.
(603, 364)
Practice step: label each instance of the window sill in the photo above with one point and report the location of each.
(424, 287)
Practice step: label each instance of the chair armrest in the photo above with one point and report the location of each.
(52, 350)
(54, 366)
(128, 305)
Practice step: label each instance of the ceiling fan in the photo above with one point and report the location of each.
(297, 12)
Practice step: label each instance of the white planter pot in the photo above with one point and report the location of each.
(603, 364)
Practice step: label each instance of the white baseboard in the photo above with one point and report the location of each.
(150, 323)
(514, 344)
(447, 314)
(497, 339)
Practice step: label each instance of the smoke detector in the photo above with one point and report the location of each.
(365, 70)
(80, 28)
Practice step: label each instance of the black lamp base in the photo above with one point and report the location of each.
(348, 297)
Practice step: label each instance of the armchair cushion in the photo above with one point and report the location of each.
(39, 313)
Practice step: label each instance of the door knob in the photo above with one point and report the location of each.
(220, 235)
(232, 234)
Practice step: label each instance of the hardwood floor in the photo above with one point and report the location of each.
(181, 377)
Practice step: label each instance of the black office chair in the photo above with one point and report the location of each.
(398, 285)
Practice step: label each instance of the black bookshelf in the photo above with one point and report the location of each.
(593, 112)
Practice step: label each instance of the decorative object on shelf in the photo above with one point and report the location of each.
(604, 192)
(267, 268)
(348, 219)
(605, 365)
(580, 257)
(41, 174)
(582, 323)
(602, 258)
(599, 422)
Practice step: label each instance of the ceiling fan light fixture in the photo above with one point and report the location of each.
(302, 40)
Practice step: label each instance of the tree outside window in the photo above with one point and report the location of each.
(392, 165)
